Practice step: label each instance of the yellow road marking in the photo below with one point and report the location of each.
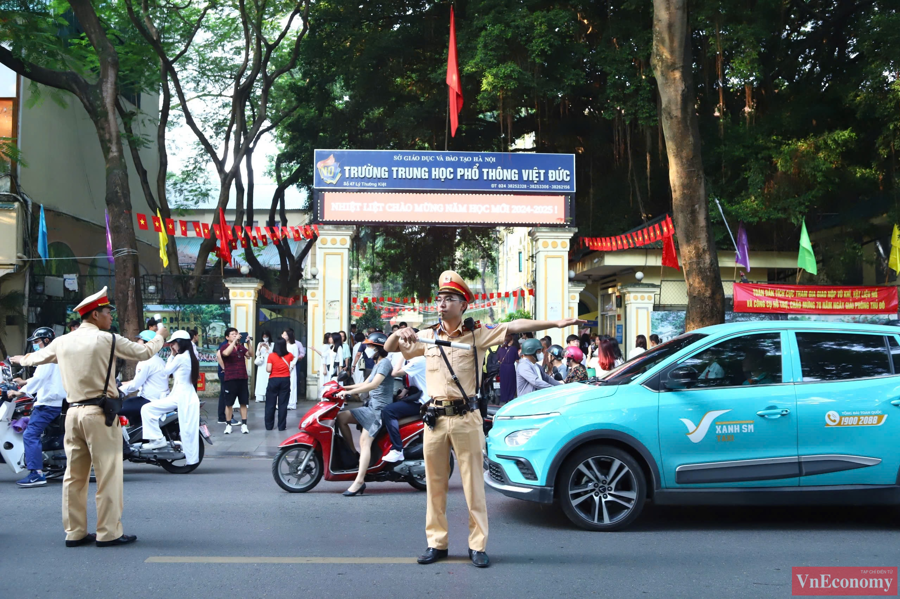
(735, 422)
(205, 559)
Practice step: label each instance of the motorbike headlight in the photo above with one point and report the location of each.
(520, 437)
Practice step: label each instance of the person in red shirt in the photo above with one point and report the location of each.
(279, 365)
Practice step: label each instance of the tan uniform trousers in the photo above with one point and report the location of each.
(466, 435)
(89, 441)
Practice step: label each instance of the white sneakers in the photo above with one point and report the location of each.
(155, 444)
(227, 429)
(244, 429)
(393, 456)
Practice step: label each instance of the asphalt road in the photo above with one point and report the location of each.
(231, 507)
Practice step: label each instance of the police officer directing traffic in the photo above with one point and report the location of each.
(453, 418)
(84, 357)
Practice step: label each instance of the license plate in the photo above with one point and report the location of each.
(204, 429)
(496, 385)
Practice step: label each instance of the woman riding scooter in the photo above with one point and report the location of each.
(185, 369)
(380, 387)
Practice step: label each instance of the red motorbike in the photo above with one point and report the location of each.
(319, 450)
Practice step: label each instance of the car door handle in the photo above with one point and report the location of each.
(773, 412)
(896, 402)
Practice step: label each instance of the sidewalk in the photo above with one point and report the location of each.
(258, 443)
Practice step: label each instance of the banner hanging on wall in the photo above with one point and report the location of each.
(809, 299)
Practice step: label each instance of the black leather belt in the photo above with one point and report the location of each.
(451, 407)
(88, 402)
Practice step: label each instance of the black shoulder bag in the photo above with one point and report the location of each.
(111, 406)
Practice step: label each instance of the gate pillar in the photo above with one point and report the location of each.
(328, 294)
(551, 286)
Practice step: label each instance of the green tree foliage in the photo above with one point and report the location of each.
(798, 102)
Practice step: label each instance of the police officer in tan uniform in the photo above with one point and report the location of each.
(458, 422)
(83, 357)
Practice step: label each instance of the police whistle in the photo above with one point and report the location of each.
(464, 346)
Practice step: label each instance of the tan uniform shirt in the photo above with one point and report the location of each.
(83, 357)
(437, 377)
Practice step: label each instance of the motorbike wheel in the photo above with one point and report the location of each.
(419, 484)
(171, 466)
(289, 460)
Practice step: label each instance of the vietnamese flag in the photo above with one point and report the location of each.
(142, 222)
(157, 224)
(669, 257)
(183, 226)
(225, 237)
(197, 230)
(455, 90)
(170, 227)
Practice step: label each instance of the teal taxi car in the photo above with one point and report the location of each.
(776, 412)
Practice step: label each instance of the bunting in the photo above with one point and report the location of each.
(183, 228)
(633, 239)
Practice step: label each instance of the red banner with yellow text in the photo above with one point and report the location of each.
(809, 299)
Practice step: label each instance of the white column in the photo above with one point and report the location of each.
(243, 294)
(329, 298)
(639, 301)
(575, 290)
(551, 285)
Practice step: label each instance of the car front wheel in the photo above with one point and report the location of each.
(601, 488)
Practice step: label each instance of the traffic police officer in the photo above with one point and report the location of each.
(83, 357)
(458, 423)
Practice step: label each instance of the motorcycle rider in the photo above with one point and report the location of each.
(150, 382)
(529, 376)
(47, 389)
(185, 369)
(577, 372)
(380, 386)
(558, 366)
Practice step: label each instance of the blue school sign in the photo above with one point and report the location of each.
(492, 172)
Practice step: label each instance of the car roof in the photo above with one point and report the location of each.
(758, 325)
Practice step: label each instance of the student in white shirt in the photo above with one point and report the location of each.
(406, 407)
(150, 382)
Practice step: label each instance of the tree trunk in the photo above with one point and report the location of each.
(672, 68)
(103, 97)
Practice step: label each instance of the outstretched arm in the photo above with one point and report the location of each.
(529, 326)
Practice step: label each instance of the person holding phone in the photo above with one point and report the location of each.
(234, 356)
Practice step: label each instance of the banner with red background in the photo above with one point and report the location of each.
(809, 299)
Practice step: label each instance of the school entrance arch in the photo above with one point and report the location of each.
(459, 189)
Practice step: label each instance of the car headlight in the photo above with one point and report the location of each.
(528, 417)
(520, 437)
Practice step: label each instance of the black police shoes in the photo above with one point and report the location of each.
(479, 558)
(88, 538)
(432, 555)
(123, 540)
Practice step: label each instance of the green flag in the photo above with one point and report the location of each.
(806, 259)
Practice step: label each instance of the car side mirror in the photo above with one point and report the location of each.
(682, 377)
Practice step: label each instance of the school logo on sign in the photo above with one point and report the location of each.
(329, 170)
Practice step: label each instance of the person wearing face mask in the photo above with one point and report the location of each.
(558, 366)
(262, 375)
(380, 387)
(47, 389)
(529, 375)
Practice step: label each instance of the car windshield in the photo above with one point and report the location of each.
(634, 368)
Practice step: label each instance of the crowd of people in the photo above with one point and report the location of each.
(525, 364)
